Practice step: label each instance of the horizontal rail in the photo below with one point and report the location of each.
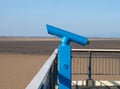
(38, 80)
(99, 65)
(96, 50)
(96, 62)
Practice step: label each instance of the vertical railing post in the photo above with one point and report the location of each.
(89, 66)
(53, 75)
(55, 72)
(50, 77)
(89, 81)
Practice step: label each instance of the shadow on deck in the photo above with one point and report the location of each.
(96, 87)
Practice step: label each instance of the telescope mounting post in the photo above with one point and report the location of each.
(64, 64)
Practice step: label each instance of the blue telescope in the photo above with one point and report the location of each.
(64, 54)
(67, 35)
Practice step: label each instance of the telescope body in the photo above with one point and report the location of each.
(64, 54)
(69, 36)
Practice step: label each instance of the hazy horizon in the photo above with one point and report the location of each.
(50, 37)
(89, 18)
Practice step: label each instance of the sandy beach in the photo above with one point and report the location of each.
(17, 70)
(21, 59)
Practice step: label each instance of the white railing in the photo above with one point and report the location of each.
(44, 77)
(96, 50)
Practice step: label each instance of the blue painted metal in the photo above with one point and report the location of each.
(64, 54)
(64, 66)
(71, 36)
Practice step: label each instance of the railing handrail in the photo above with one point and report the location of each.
(90, 57)
(39, 78)
(36, 83)
(96, 50)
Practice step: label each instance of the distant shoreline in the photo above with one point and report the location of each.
(45, 39)
(29, 39)
(45, 46)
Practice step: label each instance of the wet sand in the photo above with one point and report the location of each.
(20, 59)
(39, 46)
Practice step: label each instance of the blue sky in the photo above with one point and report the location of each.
(91, 18)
